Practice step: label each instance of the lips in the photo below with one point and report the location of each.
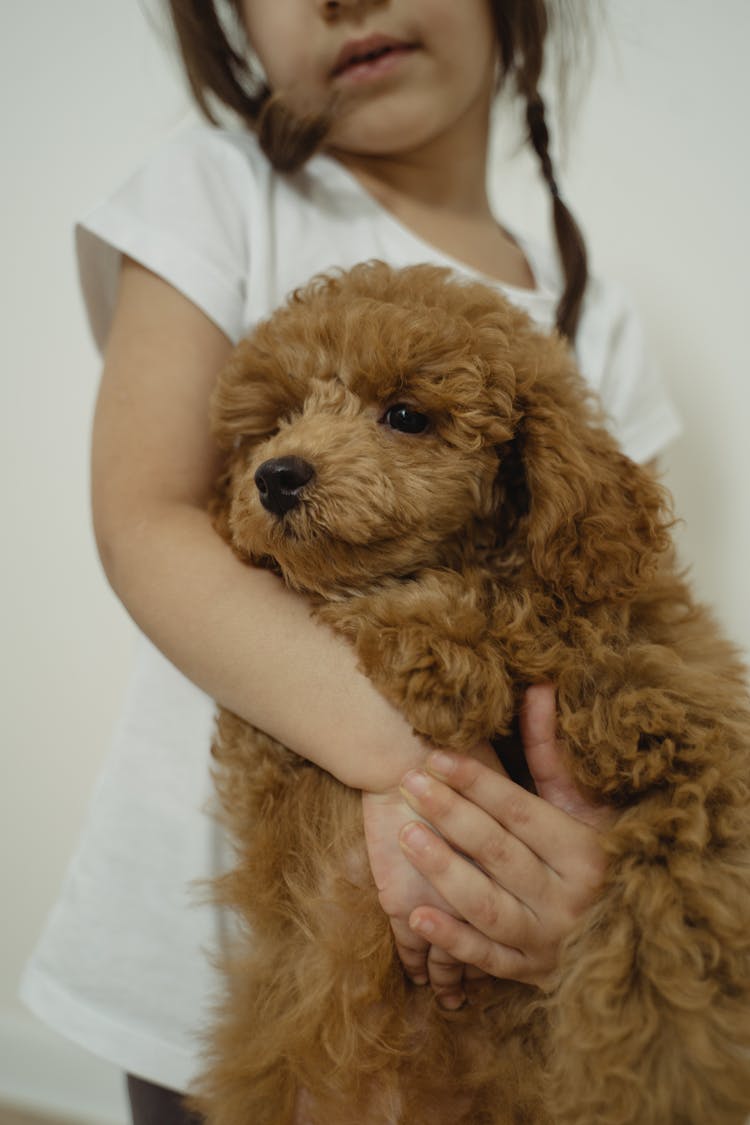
(358, 52)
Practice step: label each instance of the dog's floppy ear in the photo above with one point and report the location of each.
(596, 523)
(252, 393)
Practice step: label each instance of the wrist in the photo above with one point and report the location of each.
(383, 779)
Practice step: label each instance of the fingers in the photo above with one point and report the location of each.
(538, 726)
(446, 977)
(499, 824)
(412, 949)
(463, 943)
(478, 834)
(546, 759)
(471, 893)
(424, 963)
(496, 933)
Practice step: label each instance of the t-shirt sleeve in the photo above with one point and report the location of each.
(626, 376)
(183, 215)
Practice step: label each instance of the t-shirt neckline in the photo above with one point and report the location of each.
(541, 293)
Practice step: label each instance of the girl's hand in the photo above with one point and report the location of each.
(401, 887)
(534, 862)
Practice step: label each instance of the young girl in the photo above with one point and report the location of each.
(203, 241)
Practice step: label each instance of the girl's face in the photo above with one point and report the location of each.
(402, 72)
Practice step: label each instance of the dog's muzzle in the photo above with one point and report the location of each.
(280, 481)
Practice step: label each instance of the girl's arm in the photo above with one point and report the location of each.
(237, 632)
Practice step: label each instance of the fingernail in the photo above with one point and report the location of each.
(415, 782)
(452, 1001)
(415, 837)
(422, 925)
(441, 764)
(420, 980)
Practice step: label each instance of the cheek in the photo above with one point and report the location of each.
(282, 55)
(461, 37)
(247, 520)
(467, 495)
(433, 495)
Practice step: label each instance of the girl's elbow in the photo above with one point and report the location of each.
(111, 535)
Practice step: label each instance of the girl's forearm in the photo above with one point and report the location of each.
(252, 644)
(237, 632)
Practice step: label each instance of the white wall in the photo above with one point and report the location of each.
(658, 171)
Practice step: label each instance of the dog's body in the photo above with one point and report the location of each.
(443, 489)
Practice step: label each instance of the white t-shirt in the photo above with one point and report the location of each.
(123, 966)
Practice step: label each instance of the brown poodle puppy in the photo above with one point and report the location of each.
(408, 451)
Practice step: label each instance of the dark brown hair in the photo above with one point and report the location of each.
(219, 69)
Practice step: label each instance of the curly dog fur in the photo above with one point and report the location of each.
(508, 543)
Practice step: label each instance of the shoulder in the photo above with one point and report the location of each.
(610, 330)
(187, 213)
(201, 179)
(203, 160)
(202, 141)
(232, 160)
(607, 313)
(615, 358)
(607, 307)
(614, 352)
(610, 324)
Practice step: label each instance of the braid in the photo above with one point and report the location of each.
(287, 140)
(522, 27)
(570, 241)
(539, 137)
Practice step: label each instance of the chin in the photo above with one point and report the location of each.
(385, 126)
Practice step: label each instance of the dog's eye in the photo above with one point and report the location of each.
(406, 419)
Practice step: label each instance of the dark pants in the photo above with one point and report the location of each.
(153, 1105)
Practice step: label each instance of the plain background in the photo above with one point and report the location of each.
(657, 168)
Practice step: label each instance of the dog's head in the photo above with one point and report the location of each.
(383, 421)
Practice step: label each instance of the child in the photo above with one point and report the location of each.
(206, 239)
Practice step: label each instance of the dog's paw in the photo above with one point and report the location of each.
(425, 646)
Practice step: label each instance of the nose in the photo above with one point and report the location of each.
(280, 481)
(333, 9)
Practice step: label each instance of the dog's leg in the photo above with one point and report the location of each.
(651, 1022)
(385, 1110)
(427, 646)
(315, 998)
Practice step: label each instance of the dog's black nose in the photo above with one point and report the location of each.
(279, 482)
